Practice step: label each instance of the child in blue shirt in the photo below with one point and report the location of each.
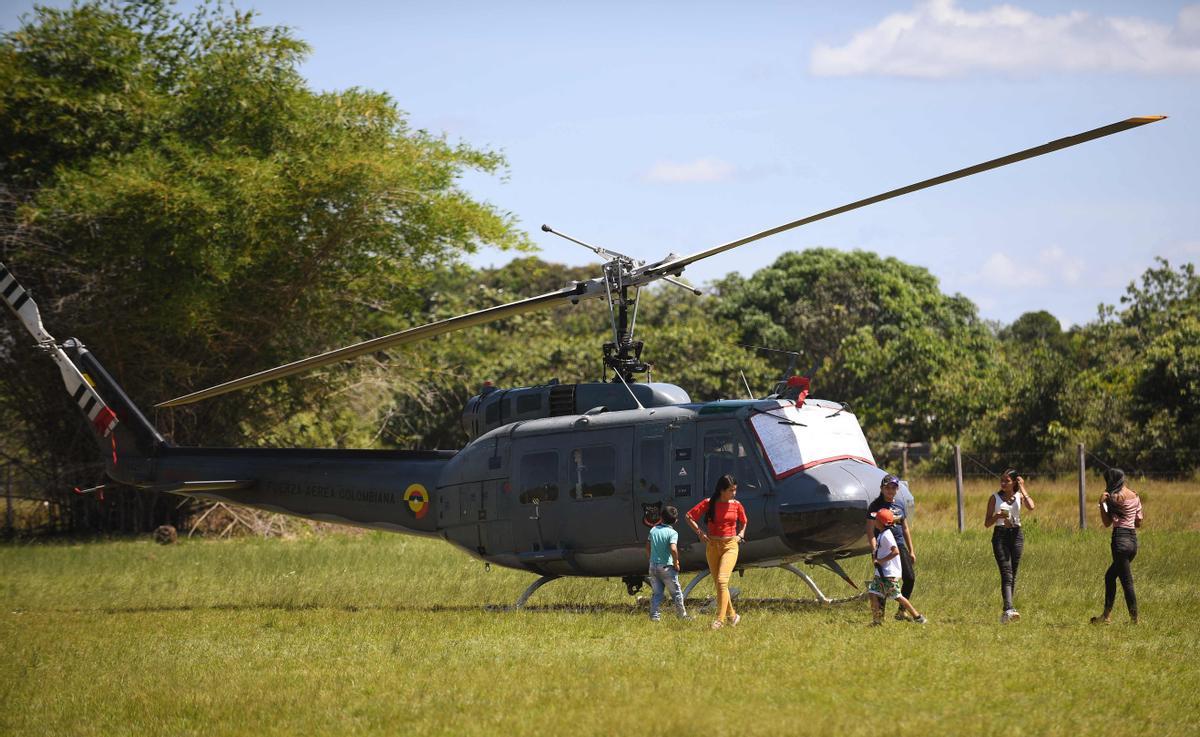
(663, 549)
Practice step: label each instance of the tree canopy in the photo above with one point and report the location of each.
(913, 362)
(173, 192)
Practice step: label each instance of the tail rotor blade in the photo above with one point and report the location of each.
(23, 307)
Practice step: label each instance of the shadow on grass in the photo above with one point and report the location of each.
(699, 605)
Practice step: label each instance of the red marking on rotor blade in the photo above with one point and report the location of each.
(105, 421)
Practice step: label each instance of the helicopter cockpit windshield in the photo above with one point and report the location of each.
(797, 438)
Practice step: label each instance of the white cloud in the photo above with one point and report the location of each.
(1060, 267)
(700, 170)
(938, 39)
(1000, 269)
(1052, 267)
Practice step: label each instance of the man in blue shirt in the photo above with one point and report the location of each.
(663, 548)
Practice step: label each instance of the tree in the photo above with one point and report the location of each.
(914, 363)
(1136, 398)
(173, 193)
(685, 343)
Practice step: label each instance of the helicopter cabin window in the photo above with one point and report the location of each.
(593, 471)
(725, 453)
(539, 477)
(491, 415)
(652, 465)
(527, 403)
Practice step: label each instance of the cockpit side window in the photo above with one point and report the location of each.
(725, 452)
(539, 477)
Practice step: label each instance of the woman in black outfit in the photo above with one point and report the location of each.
(1121, 509)
(1008, 541)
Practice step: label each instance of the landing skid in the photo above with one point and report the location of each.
(821, 598)
(807, 579)
(532, 588)
(820, 595)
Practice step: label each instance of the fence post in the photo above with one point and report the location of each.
(1082, 488)
(958, 484)
(8, 510)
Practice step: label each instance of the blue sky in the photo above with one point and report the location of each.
(652, 127)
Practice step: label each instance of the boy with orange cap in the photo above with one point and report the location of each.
(886, 584)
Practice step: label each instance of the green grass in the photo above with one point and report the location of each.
(382, 634)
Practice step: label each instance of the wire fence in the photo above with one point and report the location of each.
(46, 502)
(1083, 472)
(40, 501)
(1164, 464)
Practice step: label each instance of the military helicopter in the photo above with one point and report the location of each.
(557, 479)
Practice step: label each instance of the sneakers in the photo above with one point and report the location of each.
(1010, 615)
(921, 619)
(734, 622)
(716, 625)
(901, 616)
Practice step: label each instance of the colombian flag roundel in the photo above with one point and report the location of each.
(418, 500)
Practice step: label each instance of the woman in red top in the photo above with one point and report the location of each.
(725, 520)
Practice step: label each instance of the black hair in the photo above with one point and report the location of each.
(1114, 481)
(669, 515)
(725, 482)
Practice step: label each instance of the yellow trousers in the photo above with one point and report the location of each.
(722, 554)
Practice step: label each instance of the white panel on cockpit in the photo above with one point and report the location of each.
(798, 438)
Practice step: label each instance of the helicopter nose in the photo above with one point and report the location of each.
(825, 508)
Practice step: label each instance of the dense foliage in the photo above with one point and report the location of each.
(913, 362)
(175, 195)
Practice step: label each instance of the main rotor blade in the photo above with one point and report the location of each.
(672, 267)
(581, 290)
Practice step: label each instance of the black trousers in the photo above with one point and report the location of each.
(908, 575)
(1124, 550)
(1007, 545)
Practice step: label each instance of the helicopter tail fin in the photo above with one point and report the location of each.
(125, 436)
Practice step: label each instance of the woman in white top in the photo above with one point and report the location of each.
(1008, 542)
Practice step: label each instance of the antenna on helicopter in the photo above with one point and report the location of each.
(789, 386)
(749, 394)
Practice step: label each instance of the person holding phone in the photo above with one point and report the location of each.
(1120, 509)
(1008, 541)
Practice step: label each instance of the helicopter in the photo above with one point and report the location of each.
(557, 479)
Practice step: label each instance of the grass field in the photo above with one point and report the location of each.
(383, 634)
